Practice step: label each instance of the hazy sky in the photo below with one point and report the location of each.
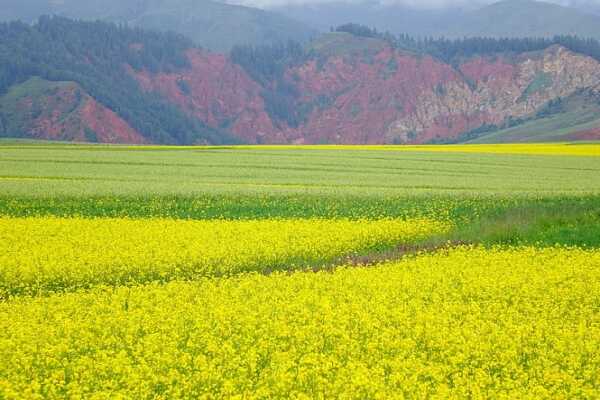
(413, 3)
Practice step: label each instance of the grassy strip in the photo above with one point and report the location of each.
(240, 206)
(568, 222)
(543, 223)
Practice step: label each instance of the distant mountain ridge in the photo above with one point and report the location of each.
(218, 25)
(526, 18)
(211, 24)
(506, 18)
(94, 81)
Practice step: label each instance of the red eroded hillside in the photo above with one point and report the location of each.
(397, 97)
(351, 101)
(217, 92)
(107, 126)
(63, 111)
(380, 96)
(365, 99)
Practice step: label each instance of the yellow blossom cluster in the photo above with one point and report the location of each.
(49, 254)
(471, 322)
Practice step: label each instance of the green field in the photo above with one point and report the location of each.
(102, 170)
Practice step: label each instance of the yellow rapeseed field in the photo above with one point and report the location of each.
(56, 254)
(572, 149)
(500, 323)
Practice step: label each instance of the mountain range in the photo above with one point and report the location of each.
(211, 24)
(218, 26)
(507, 18)
(96, 81)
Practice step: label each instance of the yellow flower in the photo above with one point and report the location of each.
(57, 254)
(469, 322)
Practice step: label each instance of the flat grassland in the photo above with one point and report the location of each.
(299, 272)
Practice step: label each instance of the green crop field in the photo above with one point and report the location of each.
(101, 170)
(299, 272)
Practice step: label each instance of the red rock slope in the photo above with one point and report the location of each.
(351, 90)
(63, 111)
(382, 96)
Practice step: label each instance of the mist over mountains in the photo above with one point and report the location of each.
(507, 18)
(211, 24)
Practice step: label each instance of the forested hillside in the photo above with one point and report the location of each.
(453, 50)
(211, 24)
(96, 81)
(97, 57)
